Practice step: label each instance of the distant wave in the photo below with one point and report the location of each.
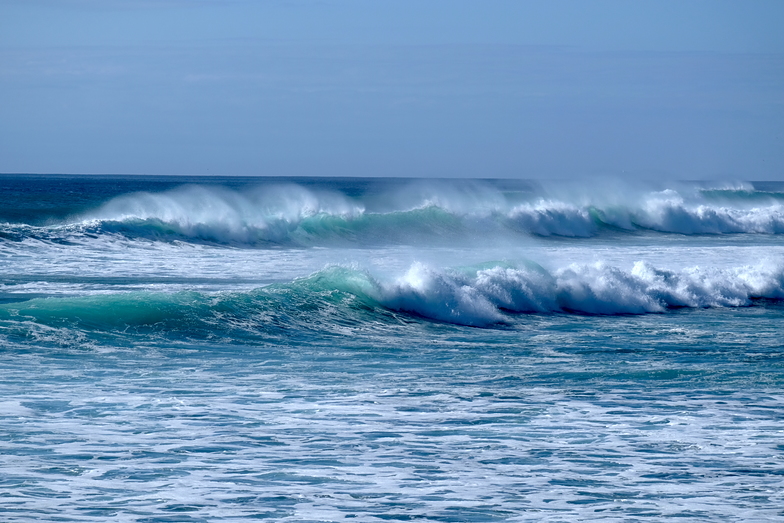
(337, 298)
(669, 212)
(295, 216)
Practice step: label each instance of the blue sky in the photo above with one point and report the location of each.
(524, 89)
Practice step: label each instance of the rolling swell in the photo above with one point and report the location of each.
(277, 311)
(338, 300)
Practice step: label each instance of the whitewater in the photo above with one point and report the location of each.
(365, 349)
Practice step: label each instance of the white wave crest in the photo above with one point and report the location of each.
(667, 212)
(226, 215)
(273, 213)
(486, 296)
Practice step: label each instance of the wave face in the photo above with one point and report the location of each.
(221, 215)
(337, 298)
(272, 215)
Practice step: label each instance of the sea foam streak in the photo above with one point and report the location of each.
(481, 297)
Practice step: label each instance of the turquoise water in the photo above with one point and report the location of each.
(226, 349)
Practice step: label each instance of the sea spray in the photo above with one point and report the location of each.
(292, 215)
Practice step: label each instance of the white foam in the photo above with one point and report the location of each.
(440, 296)
(674, 215)
(479, 299)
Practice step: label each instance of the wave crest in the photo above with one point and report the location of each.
(339, 297)
(283, 215)
(669, 213)
(222, 215)
(488, 295)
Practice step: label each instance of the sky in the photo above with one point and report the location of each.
(430, 88)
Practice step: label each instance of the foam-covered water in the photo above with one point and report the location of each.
(223, 349)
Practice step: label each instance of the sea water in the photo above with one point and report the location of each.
(229, 349)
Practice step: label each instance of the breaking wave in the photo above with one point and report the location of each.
(291, 215)
(337, 298)
(490, 295)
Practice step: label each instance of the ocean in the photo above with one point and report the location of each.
(201, 349)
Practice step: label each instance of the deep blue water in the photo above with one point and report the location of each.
(226, 349)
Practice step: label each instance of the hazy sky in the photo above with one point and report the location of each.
(530, 89)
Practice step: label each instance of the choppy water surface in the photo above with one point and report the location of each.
(376, 350)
